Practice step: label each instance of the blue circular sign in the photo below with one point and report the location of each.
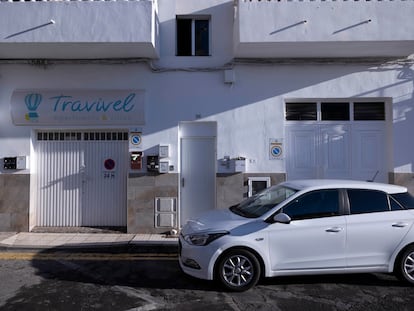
(276, 151)
(136, 139)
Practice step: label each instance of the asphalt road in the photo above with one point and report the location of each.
(153, 281)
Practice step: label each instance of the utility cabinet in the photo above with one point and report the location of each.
(166, 212)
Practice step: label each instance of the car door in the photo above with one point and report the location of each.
(374, 228)
(314, 239)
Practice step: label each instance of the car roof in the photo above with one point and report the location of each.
(314, 184)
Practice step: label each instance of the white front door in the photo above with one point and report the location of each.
(198, 169)
(81, 178)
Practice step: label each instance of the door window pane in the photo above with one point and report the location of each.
(367, 201)
(301, 111)
(335, 111)
(374, 111)
(321, 203)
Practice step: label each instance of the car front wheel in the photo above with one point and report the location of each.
(238, 270)
(405, 268)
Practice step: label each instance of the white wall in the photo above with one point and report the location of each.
(249, 112)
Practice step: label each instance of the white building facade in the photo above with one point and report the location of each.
(142, 114)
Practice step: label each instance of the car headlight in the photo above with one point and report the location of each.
(201, 239)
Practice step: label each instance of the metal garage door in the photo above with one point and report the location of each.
(81, 178)
(346, 140)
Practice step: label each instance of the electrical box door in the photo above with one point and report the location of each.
(136, 160)
(153, 163)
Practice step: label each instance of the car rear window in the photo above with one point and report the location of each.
(405, 199)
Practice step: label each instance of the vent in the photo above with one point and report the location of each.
(85, 136)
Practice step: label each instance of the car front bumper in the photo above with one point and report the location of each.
(197, 261)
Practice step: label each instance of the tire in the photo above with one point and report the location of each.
(238, 270)
(405, 266)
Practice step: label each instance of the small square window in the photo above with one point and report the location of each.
(193, 36)
(257, 184)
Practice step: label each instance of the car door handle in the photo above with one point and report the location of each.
(334, 229)
(400, 225)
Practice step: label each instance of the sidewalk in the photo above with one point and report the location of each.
(41, 241)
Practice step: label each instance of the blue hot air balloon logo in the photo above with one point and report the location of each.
(32, 102)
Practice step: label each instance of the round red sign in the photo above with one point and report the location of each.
(109, 164)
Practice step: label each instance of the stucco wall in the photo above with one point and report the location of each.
(142, 191)
(14, 202)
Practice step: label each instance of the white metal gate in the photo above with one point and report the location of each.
(81, 178)
(336, 151)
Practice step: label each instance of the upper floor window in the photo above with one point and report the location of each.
(193, 36)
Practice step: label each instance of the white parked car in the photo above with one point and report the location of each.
(300, 228)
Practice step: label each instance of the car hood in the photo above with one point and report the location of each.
(216, 220)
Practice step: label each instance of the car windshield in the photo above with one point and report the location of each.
(262, 202)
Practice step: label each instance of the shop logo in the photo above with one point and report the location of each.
(32, 102)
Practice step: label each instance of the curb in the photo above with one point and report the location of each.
(113, 248)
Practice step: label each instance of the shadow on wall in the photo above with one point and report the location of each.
(402, 112)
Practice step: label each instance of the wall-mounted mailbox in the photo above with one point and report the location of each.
(153, 163)
(136, 160)
(15, 163)
(10, 163)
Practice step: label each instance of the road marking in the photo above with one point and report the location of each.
(85, 256)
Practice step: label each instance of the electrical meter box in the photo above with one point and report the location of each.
(15, 163)
(152, 163)
(136, 160)
(164, 151)
(22, 163)
(10, 163)
(164, 166)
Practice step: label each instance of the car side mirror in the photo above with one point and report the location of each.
(282, 218)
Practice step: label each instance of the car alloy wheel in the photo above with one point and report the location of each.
(404, 268)
(408, 265)
(238, 270)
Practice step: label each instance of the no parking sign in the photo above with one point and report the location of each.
(109, 168)
(135, 140)
(275, 149)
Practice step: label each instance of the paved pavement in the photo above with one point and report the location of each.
(42, 241)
